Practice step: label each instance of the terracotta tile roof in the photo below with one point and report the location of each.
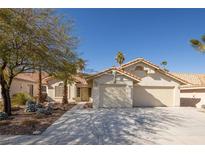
(120, 71)
(33, 77)
(78, 79)
(194, 79)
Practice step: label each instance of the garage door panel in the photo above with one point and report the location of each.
(153, 96)
(114, 96)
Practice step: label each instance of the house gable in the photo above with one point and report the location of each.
(145, 69)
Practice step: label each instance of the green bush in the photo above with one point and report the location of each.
(20, 99)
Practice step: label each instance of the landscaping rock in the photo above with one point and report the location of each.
(3, 116)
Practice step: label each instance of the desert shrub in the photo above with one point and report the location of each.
(20, 98)
(5, 123)
(3, 116)
(31, 106)
(30, 123)
(46, 111)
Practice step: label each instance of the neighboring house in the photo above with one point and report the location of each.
(138, 83)
(79, 90)
(193, 94)
(25, 82)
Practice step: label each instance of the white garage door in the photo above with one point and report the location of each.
(153, 96)
(114, 96)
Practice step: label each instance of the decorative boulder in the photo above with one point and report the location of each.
(3, 116)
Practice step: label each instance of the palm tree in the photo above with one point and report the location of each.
(80, 64)
(120, 58)
(164, 64)
(66, 73)
(199, 45)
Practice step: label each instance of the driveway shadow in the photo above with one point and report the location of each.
(107, 126)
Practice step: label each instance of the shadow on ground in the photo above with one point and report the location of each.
(107, 126)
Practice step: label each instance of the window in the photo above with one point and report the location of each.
(89, 92)
(58, 91)
(43, 88)
(78, 92)
(139, 68)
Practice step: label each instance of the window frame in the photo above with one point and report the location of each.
(59, 96)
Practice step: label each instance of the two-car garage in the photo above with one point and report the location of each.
(141, 96)
(139, 84)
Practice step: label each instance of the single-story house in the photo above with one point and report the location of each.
(79, 90)
(194, 93)
(138, 83)
(25, 82)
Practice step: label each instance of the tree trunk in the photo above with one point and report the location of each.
(40, 97)
(5, 92)
(65, 92)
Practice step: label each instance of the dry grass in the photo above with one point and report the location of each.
(30, 122)
(5, 122)
(15, 108)
(39, 116)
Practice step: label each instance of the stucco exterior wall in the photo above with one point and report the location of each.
(18, 86)
(51, 91)
(155, 78)
(200, 93)
(23, 86)
(152, 77)
(163, 88)
(107, 80)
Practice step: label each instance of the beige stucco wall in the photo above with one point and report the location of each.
(107, 80)
(51, 91)
(18, 86)
(193, 93)
(156, 79)
(23, 86)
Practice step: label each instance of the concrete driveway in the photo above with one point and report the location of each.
(122, 126)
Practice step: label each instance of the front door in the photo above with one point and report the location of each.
(84, 94)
